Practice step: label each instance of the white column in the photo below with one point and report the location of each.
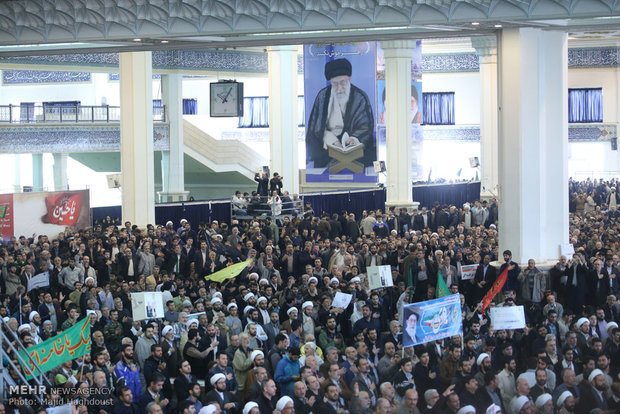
(137, 137)
(172, 97)
(18, 173)
(283, 114)
(533, 145)
(60, 172)
(486, 47)
(37, 172)
(398, 121)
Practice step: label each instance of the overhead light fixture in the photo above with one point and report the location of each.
(137, 39)
(497, 26)
(475, 23)
(164, 41)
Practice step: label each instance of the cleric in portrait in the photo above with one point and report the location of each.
(341, 116)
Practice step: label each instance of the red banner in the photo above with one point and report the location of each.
(495, 289)
(63, 209)
(6, 216)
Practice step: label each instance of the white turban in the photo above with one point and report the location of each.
(209, 409)
(595, 374)
(256, 353)
(468, 409)
(518, 403)
(581, 321)
(481, 358)
(166, 329)
(563, 398)
(288, 312)
(215, 378)
(306, 304)
(32, 315)
(542, 400)
(282, 402)
(248, 407)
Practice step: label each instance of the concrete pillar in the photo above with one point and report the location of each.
(486, 47)
(172, 97)
(37, 172)
(60, 172)
(137, 138)
(282, 61)
(533, 144)
(398, 121)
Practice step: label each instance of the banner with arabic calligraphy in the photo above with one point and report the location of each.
(341, 142)
(45, 212)
(432, 320)
(66, 346)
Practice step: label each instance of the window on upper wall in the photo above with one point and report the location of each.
(190, 107)
(585, 105)
(438, 108)
(256, 112)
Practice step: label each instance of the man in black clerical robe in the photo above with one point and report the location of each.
(342, 116)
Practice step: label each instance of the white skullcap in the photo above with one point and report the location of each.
(466, 410)
(493, 409)
(215, 300)
(215, 378)
(183, 220)
(518, 403)
(166, 329)
(89, 278)
(595, 374)
(24, 327)
(542, 400)
(247, 309)
(356, 279)
(256, 353)
(334, 279)
(261, 299)
(313, 279)
(612, 325)
(563, 398)
(581, 321)
(218, 294)
(219, 236)
(288, 312)
(312, 345)
(282, 402)
(263, 282)
(192, 322)
(6, 319)
(481, 358)
(169, 223)
(231, 305)
(253, 274)
(248, 296)
(307, 303)
(248, 407)
(32, 315)
(209, 409)
(492, 226)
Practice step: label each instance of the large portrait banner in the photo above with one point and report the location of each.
(432, 320)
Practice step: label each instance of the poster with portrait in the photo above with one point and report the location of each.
(340, 108)
(417, 111)
(379, 277)
(432, 320)
(147, 305)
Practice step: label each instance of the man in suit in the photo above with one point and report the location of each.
(483, 280)
(226, 400)
(177, 263)
(272, 329)
(128, 265)
(183, 379)
(333, 404)
(153, 393)
(200, 259)
(364, 379)
(211, 340)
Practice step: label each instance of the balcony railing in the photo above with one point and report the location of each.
(34, 114)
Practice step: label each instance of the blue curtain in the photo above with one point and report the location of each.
(585, 105)
(453, 194)
(255, 113)
(438, 108)
(190, 107)
(157, 106)
(26, 112)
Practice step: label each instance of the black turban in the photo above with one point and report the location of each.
(338, 67)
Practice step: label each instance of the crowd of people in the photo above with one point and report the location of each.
(270, 341)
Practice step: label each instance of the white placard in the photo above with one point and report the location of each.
(508, 317)
(468, 271)
(147, 305)
(379, 277)
(39, 281)
(568, 250)
(342, 300)
(60, 409)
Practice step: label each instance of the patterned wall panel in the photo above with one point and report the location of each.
(17, 77)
